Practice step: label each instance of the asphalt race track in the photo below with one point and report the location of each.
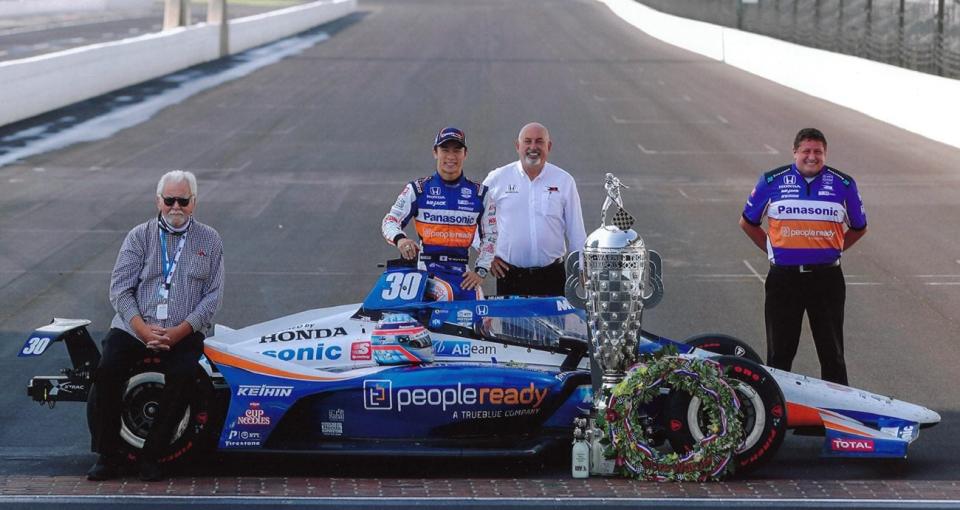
(299, 161)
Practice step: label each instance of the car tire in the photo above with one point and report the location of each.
(139, 406)
(764, 414)
(725, 345)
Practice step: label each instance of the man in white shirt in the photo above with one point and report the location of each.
(538, 218)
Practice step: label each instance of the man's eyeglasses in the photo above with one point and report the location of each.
(169, 201)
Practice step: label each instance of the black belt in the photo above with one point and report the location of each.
(808, 268)
(534, 270)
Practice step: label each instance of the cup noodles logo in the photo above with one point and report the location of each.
(254, 416)
(851, 445)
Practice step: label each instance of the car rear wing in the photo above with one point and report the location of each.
(73, 383)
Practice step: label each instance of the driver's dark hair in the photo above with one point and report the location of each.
(809, 134)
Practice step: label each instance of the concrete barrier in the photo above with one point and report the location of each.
(918, 102)
(39, 84)
(253, 31)
(33, 7)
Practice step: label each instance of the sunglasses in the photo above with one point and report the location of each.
(169, 201)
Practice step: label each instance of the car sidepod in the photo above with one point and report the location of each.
(437, 405)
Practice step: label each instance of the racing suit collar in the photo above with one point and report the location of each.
(793, 166)
(454, 183)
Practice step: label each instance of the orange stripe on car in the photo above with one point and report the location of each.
(222, 358)
(799, 415)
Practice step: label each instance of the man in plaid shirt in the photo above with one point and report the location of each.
(165, 287)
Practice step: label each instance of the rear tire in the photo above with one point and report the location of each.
(139, 407)
(764, 414)
(725, 345)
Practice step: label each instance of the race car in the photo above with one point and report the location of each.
(397, 375)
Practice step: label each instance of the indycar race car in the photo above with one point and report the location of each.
(397, 375)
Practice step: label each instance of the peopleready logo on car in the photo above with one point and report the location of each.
(379, 394)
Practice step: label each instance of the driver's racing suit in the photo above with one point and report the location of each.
(446, 215)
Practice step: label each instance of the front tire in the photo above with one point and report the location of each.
(764, 414)
(725, 345)
(140, 405)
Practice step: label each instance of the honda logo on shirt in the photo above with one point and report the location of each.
(435, 191)
(789, 179)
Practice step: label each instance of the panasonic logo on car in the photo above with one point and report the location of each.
(332, 353)
(246, 390)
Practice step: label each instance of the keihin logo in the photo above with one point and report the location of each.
(851, 445)
(263, 390)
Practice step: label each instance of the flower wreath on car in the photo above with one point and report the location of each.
(625, 425)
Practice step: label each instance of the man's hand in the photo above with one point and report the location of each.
(157, 338)
(153, 336)
(499, 267)
(408, 248)
(471, 280)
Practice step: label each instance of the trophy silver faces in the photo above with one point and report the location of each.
(622, 276)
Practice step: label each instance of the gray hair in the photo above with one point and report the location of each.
(178, 176)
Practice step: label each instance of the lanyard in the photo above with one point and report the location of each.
(169, 266)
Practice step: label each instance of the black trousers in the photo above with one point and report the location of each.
(121, 352)
(538, 281)
(820, 293)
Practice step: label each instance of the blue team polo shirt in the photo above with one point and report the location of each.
(805, 219)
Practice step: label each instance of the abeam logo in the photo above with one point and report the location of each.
(461, 349)
(851, 445)
(263, 390)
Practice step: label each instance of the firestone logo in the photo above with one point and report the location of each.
(852, 445)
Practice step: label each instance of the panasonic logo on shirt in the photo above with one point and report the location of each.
(448, 217)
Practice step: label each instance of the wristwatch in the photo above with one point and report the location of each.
(481, 272)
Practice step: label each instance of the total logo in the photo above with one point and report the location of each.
(318, 353)
(851, 445)
(378, 394)
(254, 416)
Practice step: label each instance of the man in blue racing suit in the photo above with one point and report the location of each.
(447, 209)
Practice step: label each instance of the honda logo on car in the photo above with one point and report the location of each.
(302, 334)
(246, 390)
(378, 395)
(838, 444)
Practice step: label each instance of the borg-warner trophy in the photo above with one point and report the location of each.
(621, 277)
